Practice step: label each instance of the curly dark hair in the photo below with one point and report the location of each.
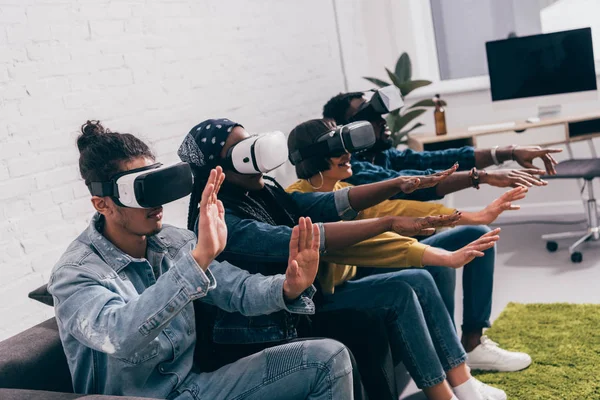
(306, 134)
(101, 151)
(337, 107)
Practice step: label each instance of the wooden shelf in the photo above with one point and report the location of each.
(464, 137)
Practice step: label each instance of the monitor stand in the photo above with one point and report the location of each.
(545, 112)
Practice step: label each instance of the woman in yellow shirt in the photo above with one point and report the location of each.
(325, 174)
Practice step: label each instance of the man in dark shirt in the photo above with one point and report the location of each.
(383, 161)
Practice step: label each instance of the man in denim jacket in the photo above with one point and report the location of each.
(124, 288)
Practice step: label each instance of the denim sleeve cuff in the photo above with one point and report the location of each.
(196, 282)
(322, 244)
(469, 159)
(301, 305)
(342, 204)
(212, 282)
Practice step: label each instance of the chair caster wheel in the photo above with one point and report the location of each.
(551, 246)
(576, 257)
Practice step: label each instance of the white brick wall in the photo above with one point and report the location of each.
(153, 68)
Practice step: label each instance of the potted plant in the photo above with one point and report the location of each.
(399, 120)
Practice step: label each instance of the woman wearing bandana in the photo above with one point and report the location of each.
(259, 219)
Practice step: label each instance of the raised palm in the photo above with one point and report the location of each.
(303, 261)
(212, 230)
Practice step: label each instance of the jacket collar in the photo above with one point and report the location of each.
(111, 254)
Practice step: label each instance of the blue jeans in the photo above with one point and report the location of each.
(478, 276)
(420, 330)
(310, 369)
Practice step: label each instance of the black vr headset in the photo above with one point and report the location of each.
(350, 138)
(147, 187)
(383, 101)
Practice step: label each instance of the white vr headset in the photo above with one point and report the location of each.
(147, 187)
(257, 154)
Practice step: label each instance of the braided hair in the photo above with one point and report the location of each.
(271, 205)
(193, 208)
(200, 148)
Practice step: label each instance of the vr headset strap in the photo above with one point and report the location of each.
(102, 189)
(313, 150)
(253, 156)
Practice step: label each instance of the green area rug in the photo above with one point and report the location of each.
(564, 342)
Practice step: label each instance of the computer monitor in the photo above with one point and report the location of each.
(542, 67)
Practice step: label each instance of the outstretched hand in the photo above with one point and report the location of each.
(303, 262)
(524, 155)
(422, 226)
(513, 177)
(501, 204)
(212, 230)
(409, 184)
(461, 257)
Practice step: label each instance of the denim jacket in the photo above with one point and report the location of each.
(392, 163)
(251, 244)
(127, 325)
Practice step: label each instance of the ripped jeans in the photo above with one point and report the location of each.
(308, 369)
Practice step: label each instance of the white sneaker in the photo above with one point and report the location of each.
(489, 357)
(491, 393)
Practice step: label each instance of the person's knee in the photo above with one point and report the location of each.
(443, 276)
(473, 232)
(330, 353)
(424, 278)
(402, 297)
(419, 278)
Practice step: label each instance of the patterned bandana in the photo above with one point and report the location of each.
(202, 146)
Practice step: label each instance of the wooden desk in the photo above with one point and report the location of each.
(582, 127)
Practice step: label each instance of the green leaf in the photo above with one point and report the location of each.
(425, 103)
(402, 136)
(395, 80)
(391, 120)
(403, 68)
(407, 87)
(405, 119)
(415, 126)
(399, 138)
(376, 81)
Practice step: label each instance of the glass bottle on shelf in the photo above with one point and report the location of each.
(439, 115)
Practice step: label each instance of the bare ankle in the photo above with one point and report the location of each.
(441, 391)
(459, 375)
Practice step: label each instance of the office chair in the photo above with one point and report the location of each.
(586, 169)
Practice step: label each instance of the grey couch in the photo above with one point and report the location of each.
(33, 366)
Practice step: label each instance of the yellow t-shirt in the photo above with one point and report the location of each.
(386, 250)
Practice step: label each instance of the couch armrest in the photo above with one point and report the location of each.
(34, 359)
(19, 394)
